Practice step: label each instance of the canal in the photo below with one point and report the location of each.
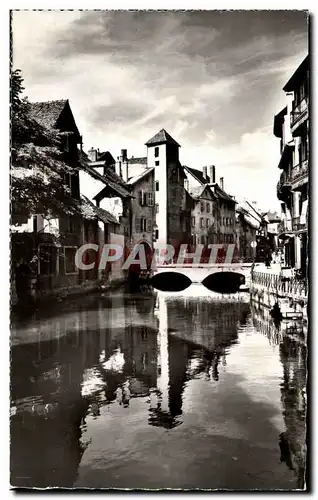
(189, 390)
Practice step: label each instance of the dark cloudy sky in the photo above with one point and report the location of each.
(212, 79)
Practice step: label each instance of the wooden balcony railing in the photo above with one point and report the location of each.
(300, 171)
(299, 112)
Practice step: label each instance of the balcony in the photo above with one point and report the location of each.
(285, 226)
(299, 174)
(299, 114)
(297, 225)
(291, 225)
(284, 186)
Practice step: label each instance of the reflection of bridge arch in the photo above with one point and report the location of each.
(197, 274)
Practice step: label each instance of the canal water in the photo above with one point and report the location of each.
(190, 390)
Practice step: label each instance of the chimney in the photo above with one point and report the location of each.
(124, 154)
(212, 174)
(92, 154)
(118, 168)
(222, 183)
(205, 172)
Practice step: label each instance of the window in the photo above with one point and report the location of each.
(202, 240)
(207, 222)
(142, 198)
(157, 163)
(150, 199)
(48, 260)
(140, 225)
(70, 224)
(208, 208)
(69, 253)
(202, 206)
(201, 222)
(157, 185)
(157, 208)
(156, 152)
(193, 221)
(149, 225)
(35, 223)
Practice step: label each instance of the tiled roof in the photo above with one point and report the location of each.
(196, 192)
(197, 174)
(90, 211)
(220, 193)
(298, 75)
(136, 178)
(142, 161)
(110, 179)
(47, 113)
(107, 157)
(161, 137)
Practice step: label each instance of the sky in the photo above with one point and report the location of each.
(212, 79)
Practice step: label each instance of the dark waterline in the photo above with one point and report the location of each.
(157, 391)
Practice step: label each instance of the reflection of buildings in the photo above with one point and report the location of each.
(192, 338)
(288, 336)
(293, 389)
(264, 323)
(112, 353)
(154, 360)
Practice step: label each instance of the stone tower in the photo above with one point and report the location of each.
(163, 155)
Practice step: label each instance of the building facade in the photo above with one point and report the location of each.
(246, 231)
(213, 212)
(291, 126)
(172, 213)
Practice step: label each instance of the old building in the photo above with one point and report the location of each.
(143, 208)
(51, 243)
(246, 231)
(202, 215)
(108, 191)
(291, 126)
(160, 204)
(172, 212)
(211, 204)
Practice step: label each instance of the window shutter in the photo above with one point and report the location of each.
(141, 197)
(149, 225)
(137, 225)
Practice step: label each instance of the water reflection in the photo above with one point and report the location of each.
(290, 337)
(121, 348)
(293, 440)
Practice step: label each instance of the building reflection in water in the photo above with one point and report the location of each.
(293, 355)
(289, 336)
(121, 348)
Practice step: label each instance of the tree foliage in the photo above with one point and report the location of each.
(38, 166)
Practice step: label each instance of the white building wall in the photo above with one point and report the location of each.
(161, 195)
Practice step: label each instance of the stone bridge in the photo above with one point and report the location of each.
(198, 273)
